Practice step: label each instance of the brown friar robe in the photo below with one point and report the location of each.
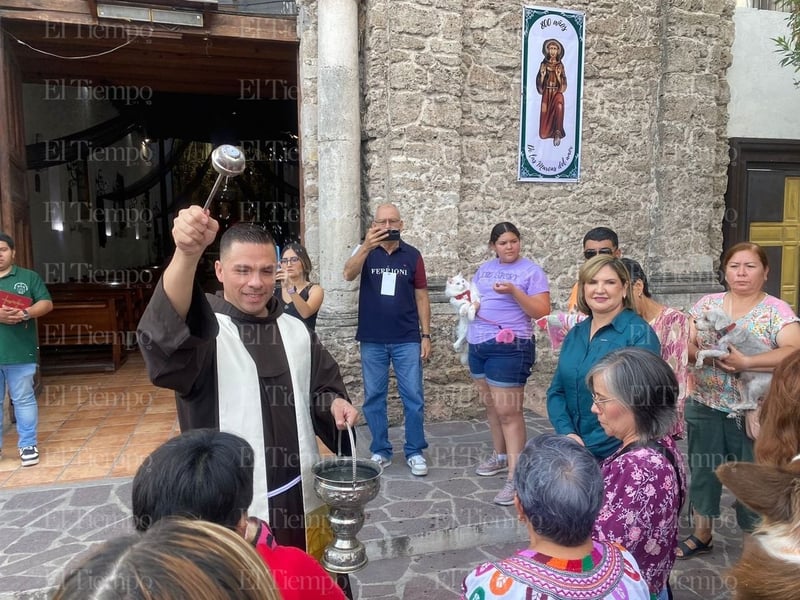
(182, 355)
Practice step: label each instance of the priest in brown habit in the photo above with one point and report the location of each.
(238, 364)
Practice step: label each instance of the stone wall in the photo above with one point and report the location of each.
(440, 128)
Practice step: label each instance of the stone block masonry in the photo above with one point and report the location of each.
(440, 91)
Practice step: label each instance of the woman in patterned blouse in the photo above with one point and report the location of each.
(715, 432)
(671, 327)
(634, 394)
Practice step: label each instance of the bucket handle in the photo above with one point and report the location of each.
(352, 448)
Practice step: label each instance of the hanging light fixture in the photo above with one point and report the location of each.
(188, 13)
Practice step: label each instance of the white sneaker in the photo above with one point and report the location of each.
(381, 460)
(419, 466)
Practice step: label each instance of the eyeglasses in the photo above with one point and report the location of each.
(600, 400)
(587, 254)
(290, 259)
(392, 222)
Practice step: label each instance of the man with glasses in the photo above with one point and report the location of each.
(600, 240)
(394, 325)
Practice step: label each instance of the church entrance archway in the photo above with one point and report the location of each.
(131, 114)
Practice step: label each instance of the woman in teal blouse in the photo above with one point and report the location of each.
(604, 294)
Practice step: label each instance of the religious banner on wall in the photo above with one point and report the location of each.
(552, 94)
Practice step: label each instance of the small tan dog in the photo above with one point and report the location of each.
(770, 565)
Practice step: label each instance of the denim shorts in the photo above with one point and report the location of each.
(502, 365)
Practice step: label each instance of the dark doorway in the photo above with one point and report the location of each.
(763, 206)
(129, 129)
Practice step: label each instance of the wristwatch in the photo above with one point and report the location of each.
(292, 290)
(425, 335)
(25, 315)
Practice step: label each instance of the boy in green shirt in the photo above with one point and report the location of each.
(23, 297)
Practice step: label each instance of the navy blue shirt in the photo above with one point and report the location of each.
(387, 304)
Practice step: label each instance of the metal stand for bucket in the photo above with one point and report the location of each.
(346, 485)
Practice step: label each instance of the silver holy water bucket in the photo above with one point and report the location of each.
(346, 485)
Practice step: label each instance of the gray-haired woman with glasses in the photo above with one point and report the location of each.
(299, 296)
(634, 394)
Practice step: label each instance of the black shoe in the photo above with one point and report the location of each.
(29, 455)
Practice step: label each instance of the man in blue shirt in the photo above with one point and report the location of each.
(394, 318)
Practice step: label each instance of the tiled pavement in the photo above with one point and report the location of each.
(422, 534)
(92, 426)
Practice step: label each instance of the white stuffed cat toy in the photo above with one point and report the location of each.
(462, 294)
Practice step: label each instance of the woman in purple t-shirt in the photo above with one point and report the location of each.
(512, 291)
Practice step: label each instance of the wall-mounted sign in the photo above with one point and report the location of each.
(552, 94)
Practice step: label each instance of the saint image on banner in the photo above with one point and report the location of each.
(552, 90)
(551, 83)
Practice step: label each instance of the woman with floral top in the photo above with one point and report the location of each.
(714, 430)
(634, 394)
(671, 327)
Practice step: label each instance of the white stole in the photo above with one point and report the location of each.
(240, 411)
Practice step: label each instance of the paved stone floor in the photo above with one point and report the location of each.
(422, 534)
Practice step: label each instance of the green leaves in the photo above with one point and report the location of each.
(789, 47)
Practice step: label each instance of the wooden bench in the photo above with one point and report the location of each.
(78, 292)
(97, 326)
(131, 300)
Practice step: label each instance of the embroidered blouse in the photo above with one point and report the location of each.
(608, 572)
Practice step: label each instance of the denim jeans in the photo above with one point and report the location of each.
(405, 358)
(19, 379)
(502, 364)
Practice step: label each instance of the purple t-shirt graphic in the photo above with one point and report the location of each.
(501, 311)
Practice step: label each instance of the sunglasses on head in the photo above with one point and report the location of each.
(587, 254)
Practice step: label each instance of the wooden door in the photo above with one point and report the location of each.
(14, 211)
(780, 237)
(763, 203)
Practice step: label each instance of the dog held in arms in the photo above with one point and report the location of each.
(753, 385)
(770, 562)
(462, 294)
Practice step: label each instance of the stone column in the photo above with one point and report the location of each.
(339, 141)
(690, 153)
